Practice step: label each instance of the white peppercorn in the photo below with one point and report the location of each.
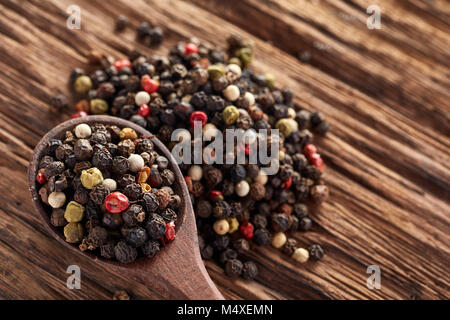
(110, 184)
(136, 162)
(142, 97)
(221, 227)
(301, 255)
(279, 239)
(56, 199)
(195, 172)
(83, 131)
(242, 188)
(231, 92)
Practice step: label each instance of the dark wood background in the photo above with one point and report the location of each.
(385, 92)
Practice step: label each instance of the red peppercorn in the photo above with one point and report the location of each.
(40, 177)
(116, 202)
(247, 230)
(317, 161)
(215, 195)
(148, 84)
(309, 150)
(170, 231)
(122, 63)
(288, 183)
(247, 149)
(79, 115)
(144, 110)
(190, 48)
(198, 116)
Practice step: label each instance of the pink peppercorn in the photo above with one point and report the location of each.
(148, 84)
(198, 116)
(215, 195)
(144, 110)
(170, 231)
(116, 202)
(79, 115)
(122, 63)
(288, 183)
(309, 150)
(190, 48)
(246, 230)
(40, 177)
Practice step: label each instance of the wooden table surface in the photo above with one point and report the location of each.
(385, 93)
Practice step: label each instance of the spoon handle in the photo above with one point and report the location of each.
(189, 281)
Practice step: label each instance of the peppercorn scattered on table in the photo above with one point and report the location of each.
(383, 91)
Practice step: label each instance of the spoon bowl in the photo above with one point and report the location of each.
(177, 271)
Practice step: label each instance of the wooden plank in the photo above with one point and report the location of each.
(385, 93)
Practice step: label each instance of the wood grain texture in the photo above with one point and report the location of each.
(385, 93)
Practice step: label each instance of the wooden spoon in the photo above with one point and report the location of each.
(177, 271)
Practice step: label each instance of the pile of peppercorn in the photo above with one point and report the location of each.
(110, 191)
(236, 205)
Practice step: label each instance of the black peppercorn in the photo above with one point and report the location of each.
(163, 198)
(83, 150)
(125, 253)
(63, 151)
(120, 165)
(262, 237)
(46, 160)
(81, 196)
(150, 248)
(220, 243)
(280, 222)
(259, 221)
(121, 23)
(250, 270)
(134, 215)
(54, 168)
(169, 215)
(136, 237)
(98, 194)
(125, 180)
(57, 218)
(97, 237)
(290, 246)
(222, 210)
(133, 191)
(207, 252)
(151, 202)
(203, 209)
(227, 254)
(112, 221)
(102, 159)
(300, 210)
(305, 224)
(107, 250)
(233, 268)
(237, 173)
(316, 251)
(125, 148)
(156, 227)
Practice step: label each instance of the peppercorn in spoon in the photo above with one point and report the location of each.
(177, 272)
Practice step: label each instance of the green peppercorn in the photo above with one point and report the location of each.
(74, 212)
(216, 71)
(235, 60)
(91, 177)
(99, 106)
(82, 84)
(230, 114)
(73, 232)
(246, 56)
(269, 80)
(286, 126)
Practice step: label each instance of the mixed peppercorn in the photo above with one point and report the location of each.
(236, 205)
(97, 182)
